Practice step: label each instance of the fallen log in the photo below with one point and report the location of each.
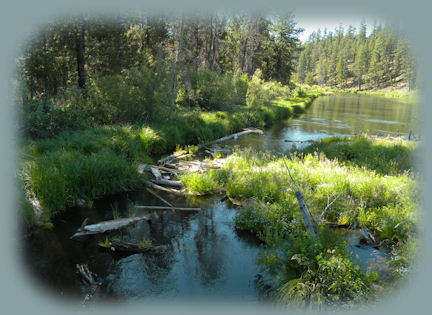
(110, 225)
(146, 167)
(306, 219)
(171, 190)
(173, 157)
(304, 210)
(337, 225)
(163, 181)
(159, 197)
(367, 236)
(121, 246)
(156, 173)
(239, 134)
(299, 141)
(89, 280)
(167, 208)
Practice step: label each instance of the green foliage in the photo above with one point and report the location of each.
(314, 271)
(136, 95)
(380, 60)
(49, 116)
(145, 244)
(215, 92)
(209, 182)
(59, 178)
(90, 163)
(378, 201)
(320, 272)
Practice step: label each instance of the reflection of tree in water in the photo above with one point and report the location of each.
(209, 248)
(353, 111)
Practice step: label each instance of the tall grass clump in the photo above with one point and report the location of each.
(59, 178)
(321, 272)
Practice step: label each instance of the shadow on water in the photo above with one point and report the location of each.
(204, 256)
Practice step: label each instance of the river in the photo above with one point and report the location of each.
(204, 256)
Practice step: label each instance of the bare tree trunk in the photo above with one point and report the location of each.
(80, 47)
(180, 61)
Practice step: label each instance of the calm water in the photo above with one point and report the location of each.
(338, 115)
(204, 256)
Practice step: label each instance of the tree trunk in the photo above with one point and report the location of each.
(80, 56)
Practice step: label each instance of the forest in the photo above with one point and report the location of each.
(114, 107)
(353, 60)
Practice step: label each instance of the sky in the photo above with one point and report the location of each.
(313, 23)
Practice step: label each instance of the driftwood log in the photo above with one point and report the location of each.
(158, 187)
(110, 225)
(306, 219)
(89, 280)
(299, 141)
(239, 134)
(159, 197)
(167, 182)
(121, 246)
(167, 208)
(146, 167)
(367, 236)
(304, 209)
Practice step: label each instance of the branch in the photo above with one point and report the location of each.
(328, 206)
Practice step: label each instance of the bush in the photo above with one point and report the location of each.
(137, 95)
(261, 93)
(214, 92)
(48, 116)
(256, 95)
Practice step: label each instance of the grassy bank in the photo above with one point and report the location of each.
(405, 96)
(376, 188)
(103, 160)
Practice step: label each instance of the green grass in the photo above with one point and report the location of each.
(95, 162)
(411, 97)
(372, 195)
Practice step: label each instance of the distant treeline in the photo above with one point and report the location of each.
(352, 59)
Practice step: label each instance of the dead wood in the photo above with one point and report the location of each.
(367, 236)
(304, 210)
(299, 141)
(110, 225)
(170, 190)
(167, 208)
(163, 181)
(158, 196)
(328, 206)
(238, 134)
(121, 246)
(89, 279)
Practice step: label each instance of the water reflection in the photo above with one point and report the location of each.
(338, 115)
(203, 255)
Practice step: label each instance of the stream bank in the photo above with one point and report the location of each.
(213, 235)
(79, 167)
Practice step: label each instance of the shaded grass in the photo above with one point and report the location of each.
(91, 163)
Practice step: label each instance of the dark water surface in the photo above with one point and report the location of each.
(203, 256)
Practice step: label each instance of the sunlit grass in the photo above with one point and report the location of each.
(91, 163)
(319, 271)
